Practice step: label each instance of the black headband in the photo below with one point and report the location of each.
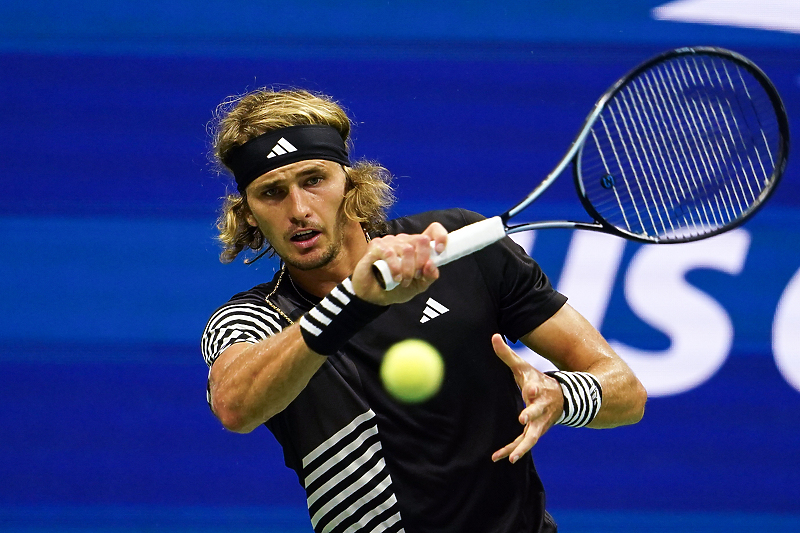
(285, 146)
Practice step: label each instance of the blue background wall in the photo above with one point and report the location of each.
(109, 271)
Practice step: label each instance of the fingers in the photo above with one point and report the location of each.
(438, 236)
(506, 354)
(506, 450)
(519, 447)
(410, 264)
(535, 427)
(542, 397)
(408, 257)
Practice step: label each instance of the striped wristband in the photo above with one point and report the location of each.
(340, 315)
(583, 396)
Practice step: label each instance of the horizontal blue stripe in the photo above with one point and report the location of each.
(157, 280)
(92, 519)
(636, 521)
(104, 279)
(450, 130)
(299, 28)
(196, 519)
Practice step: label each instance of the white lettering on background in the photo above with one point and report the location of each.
(590, 271)
(786, 333)
(699, 328)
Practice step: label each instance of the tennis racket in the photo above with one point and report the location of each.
(687, 145)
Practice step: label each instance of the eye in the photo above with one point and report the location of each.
(270, 192)
(314, 180)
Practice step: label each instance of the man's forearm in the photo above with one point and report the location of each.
(624, 396)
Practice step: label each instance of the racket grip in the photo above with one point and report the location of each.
(461, 242)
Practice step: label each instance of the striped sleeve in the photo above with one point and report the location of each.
(241, 320)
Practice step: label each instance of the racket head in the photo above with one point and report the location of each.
(687, 145)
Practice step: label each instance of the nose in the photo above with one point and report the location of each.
(298, 204)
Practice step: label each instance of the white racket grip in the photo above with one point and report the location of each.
(460, 242)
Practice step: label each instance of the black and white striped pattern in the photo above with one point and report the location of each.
(242, 320)
(583, 397)
(347, 485)
(340, 315)
(318, 318)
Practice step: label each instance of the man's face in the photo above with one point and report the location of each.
(298, 209)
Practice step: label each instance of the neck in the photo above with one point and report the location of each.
(320, 281)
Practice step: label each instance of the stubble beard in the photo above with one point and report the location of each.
(329, 255)
(333, 250)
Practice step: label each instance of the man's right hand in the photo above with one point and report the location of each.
(409, 260)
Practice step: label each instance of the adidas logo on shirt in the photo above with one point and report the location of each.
(281, 148)
(432, 310)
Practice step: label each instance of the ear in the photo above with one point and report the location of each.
(248, 215)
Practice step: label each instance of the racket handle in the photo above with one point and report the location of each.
(461, 242)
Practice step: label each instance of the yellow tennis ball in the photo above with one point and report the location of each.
(412, 371)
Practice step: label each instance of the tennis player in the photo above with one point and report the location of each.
(300, 353)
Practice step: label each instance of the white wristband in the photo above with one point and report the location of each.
(583, 397)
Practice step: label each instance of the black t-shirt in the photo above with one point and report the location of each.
(366, 459)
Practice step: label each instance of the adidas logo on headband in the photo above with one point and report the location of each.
(281, 148)
(255, 158)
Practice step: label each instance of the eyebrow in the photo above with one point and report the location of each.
(305, 172)
(310, 170)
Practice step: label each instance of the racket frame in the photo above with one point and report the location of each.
(573, 156)
(474, 237)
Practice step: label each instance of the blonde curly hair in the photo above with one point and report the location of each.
(241, 118)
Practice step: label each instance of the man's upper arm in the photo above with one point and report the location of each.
(229, 353)
(220, 362)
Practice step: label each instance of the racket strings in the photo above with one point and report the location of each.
(692, 177)
(683, 149)
(733, 192)
(706, 164)
(714, 156)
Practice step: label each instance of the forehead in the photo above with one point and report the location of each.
(297, 170)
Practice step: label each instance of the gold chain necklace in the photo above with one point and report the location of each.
(272, 305)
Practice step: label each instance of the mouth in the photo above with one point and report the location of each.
(304, 235)
(306, 239)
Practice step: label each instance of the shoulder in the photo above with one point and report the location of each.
(246, 317)
(253, 298)
(451, 219)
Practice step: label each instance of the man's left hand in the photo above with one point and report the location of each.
(543, 398)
